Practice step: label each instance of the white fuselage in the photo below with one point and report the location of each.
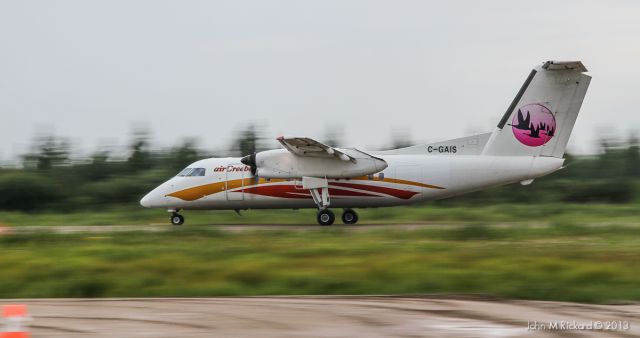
(228, 184)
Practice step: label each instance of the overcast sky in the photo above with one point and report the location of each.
(91, 70)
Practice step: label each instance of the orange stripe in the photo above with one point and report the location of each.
(14, 310)
(399, 181)
(21, 334)
(194, 193)
(417, 184)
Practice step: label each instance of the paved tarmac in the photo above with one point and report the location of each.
(329, 316)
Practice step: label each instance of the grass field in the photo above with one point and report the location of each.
(511, 213)
(555, 262)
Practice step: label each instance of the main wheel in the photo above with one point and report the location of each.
(349, 217)
(326, 217)
(177, 219)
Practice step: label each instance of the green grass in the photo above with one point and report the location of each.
(560, 262)
(511, 213)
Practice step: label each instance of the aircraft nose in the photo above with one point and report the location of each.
(146, 201)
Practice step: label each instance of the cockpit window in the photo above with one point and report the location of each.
(197, 172)
(184, 172)
(192, 172)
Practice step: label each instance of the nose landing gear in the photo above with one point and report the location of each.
(177, 219)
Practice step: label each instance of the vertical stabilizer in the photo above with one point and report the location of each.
(540, 118)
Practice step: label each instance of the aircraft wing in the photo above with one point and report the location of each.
(304, 146)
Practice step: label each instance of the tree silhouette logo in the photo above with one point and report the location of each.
(533, 125)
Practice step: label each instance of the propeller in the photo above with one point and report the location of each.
(250, 160)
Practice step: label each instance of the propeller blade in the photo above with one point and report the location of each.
(250, 160)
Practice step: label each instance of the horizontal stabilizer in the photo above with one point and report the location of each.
(565, 65)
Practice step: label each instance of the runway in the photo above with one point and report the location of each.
(311, 316)
(66, 229)
(224, 227)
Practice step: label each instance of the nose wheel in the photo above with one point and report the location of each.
(177, 219)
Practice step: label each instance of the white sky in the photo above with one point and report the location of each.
(90, 70)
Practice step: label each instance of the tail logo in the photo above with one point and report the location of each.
(533, 125)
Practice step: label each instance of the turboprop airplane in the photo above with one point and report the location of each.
(528, 142)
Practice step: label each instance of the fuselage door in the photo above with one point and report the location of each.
(235, 182)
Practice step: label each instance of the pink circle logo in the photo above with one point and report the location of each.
(533, 125)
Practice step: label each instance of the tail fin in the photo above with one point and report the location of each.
(541, 116)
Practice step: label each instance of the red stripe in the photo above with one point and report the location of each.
(334, 192)
(404, 194)
(284, 191)
(290, 191)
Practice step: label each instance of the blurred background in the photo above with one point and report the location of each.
(100, 101)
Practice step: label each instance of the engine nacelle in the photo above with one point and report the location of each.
(281, 163)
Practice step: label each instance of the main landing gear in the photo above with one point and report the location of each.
(176, 218)
(349, 216)
(327, 217)
(319, 189)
